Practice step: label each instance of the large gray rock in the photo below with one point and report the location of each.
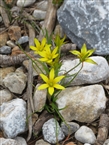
(84, 104)
(89, 74)
(13, 117)
(86, 21)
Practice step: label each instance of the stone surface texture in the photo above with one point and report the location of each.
(69, 128)
(84, 104)
(49, 131)
(25, 3)
(13, 117)
(39, 99)
(5, 96)
(86, 21)
(85, 135)
(4, 72)
(15, 82)
(41, 142)
(39, 14)
(89, 74)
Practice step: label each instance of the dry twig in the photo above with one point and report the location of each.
(4, 14)
(103, 129)
(50, 19)
(30, 101)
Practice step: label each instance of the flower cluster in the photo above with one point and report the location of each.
(51, 57)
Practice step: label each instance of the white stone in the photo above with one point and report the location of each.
(89, 74)
(87, 144)
(25, 3)
(39, 99)
(20, 140)
(106, 142)
(39, 14)
(15, 141)
(15, 82)
(49, 131)
(84, 104)
(85, 135)
(13, 117)
(4, 141)
(5, 96)
(41, 142)
(42, 5)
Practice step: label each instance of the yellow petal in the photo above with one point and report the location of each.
(75, 52)
(43, 86)
(89, 60)
(57, 79)
(90, 52)
(33, 48)
(37, 43)
(57, 86)
(43, 42)
(51, 90)
(43, 59)
(54, 56)
(55, 51)
(44, 77)
(51, 74)
(83, 49)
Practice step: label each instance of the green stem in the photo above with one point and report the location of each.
(30, 59)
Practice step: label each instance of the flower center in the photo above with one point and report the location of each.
(51, 83)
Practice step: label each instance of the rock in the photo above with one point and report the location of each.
(16, 50)
(10, 43)
(22, 40)
(5, 141)
(39, 14)
(15, 82)
(42, 5)
(89, 74)
(20, 141)
(25, 3)
(3, 38)
(49, 131)
(85, 135)
(39, 99)
(87, 144)
(41, 142)
(5, 96)
(106, 142)
(69, 127)
(13, 117)
(87, 22)
(14, 33)
(15, 141)
(1, 19)
(4, 72)
(84, 104)
(5, 50)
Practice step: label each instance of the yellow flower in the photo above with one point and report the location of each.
(48, 56)
(84, 54)
(40, 46)
(51, 82)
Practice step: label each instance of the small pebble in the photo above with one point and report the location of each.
(5, 50)
(23, 40)
(10, 43)
(39, 14)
